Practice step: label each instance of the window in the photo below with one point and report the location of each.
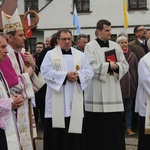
(31, 42)
(137, 4)
(32, 4)
(114, 37)
(131, 37)
(82, 5)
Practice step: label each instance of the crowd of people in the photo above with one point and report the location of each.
(93, 91)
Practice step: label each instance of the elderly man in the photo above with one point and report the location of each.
(48, 42)
(139, 45)
(67, 73)
(81, 41)
(8, 135)
(103, 99)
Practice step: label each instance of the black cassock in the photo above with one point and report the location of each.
(60, 139)
(3, 142)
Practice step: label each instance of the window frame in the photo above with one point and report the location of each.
(137, 7)
(131, 37)
(32, 44)
(82, 3)
(32, 6)
(113, 37)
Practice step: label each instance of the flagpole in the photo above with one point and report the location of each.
(73, 32)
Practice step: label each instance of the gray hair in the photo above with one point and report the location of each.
(81, 36)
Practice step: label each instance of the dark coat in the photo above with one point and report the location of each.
(40, 95)
(129, 82)
(138, 49)
(41, 57)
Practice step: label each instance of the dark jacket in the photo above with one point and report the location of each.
(41, 57)
(129, 82)
(138, 49)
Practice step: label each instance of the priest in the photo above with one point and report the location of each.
(8, 135)
(67, 73)
(142, 103)
(103, 100)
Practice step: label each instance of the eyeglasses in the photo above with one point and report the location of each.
(64, 39)
(143, 29)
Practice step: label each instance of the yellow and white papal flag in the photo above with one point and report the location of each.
(125, 14)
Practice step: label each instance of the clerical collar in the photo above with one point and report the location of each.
(16, 52)
(64, 52)
(102, 43)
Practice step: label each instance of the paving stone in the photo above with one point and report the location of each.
(131, 141)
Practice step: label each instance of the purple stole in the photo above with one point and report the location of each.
(9, 72)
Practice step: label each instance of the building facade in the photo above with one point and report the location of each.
(57, 14)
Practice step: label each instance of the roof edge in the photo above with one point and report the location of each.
(45, 6)
(1, 3)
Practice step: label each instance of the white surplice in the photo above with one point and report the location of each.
(142, 105)
(23, 122)
(7, 117)
(103, 93)
(143, 90)
(55, 74)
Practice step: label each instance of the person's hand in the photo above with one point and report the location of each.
(113, 65)
(17, 101)
(76, 75)
(72, 76)
(28, 70)
(29, 59)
